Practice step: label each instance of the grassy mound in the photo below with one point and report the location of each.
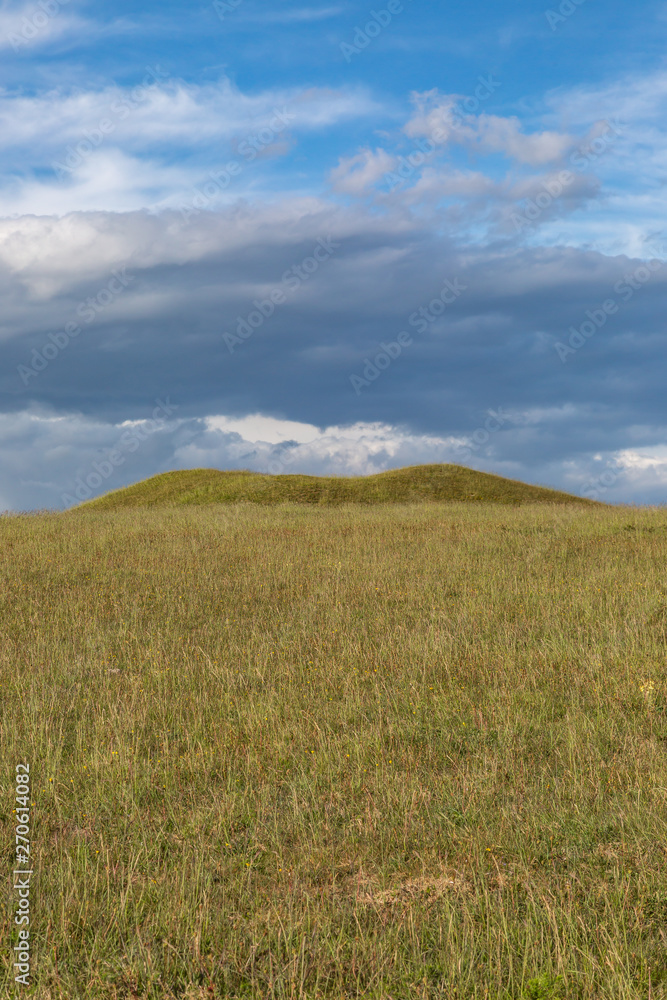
(418, 482)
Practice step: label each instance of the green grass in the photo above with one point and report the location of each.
(417, 483)
(380, 751)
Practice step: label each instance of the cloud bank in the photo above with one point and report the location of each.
(458, 283)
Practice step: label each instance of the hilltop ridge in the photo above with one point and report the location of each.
(435, 483)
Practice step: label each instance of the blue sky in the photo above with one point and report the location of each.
(332, 238)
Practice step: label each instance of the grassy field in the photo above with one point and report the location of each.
(408, 751)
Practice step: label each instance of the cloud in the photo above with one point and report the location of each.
(256, 427)
(503, 135)
(599, 204)
(298, 15)
(125, 148)
(436, 112)
(428, 177)
(32, 25)
(630, 98)
(160, 109)
(355, 174)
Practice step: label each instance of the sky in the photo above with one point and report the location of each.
(332, 238)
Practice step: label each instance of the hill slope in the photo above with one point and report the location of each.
(418, 482)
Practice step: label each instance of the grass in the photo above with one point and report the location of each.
(390, 751)
(416, 483)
